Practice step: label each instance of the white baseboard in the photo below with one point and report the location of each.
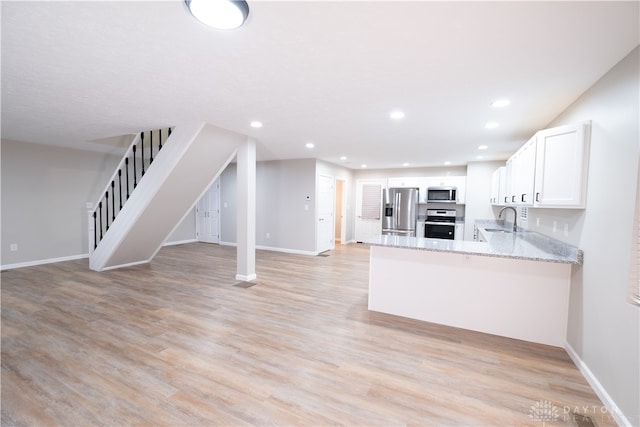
(179, 242)
(349, 242)
(246, 278)
(276, 249)
(609, 403)
(42, 262)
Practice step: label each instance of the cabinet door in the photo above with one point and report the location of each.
(521, 169)
(460, 182)
(404, 182)
(499, 186)
(526, 173)
(561, 171)
(495, 187)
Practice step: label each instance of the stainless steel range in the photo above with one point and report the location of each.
(440, 224)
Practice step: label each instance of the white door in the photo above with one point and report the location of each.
(368, 208)
(326, 199)
(208, 214)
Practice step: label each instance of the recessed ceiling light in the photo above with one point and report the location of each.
(343, 158)
(405, 164)
(483, 147)
(309, 145)
(499, 103)
(447, 163)
(363, 166)
(397, 115)
(256, 124)
(479, 157)
(491, 125)
(219, 14)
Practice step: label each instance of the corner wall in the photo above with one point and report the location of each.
(285, 219)
(44, 191)
(604, 330)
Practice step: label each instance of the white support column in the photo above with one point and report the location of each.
(246, 211)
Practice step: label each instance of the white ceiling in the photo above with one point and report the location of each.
(323, 72)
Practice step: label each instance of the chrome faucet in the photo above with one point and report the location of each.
(515, 216)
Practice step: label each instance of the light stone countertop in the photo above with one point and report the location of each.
(527, 245)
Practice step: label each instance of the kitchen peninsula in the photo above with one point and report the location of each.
(514, 284)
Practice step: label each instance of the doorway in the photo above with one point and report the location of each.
(341, 214)
(326, 222)
(208, 215)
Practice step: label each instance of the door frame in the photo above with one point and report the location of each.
(215, 182)
(333, 214)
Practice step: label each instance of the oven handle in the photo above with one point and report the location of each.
(451, 224)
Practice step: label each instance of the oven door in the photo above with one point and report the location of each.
(439, 230)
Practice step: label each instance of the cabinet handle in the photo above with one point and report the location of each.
(537, 197)
(505, 198)
(513, 199)
(523, 198)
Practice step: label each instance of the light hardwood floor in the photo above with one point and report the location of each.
(178, 342)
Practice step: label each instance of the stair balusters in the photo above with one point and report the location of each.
(135, 165)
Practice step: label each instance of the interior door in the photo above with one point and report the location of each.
(208, 214)
(368, 222)
(326, 224)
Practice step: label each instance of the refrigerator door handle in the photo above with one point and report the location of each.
(397, 208)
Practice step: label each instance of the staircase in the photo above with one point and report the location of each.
(153, 189)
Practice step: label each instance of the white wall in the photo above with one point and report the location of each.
(44, 191)
(282, 209)
(604, 330)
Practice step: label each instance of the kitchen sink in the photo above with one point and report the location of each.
(497, 230)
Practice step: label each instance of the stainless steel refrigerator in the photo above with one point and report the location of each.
(400, 209)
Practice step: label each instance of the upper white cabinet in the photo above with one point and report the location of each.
(499, 190)
(549, 171)
(404, 182)
(523, 169)
(562, 159)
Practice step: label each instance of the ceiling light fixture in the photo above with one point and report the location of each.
(309, 145)
(343, 158)
(219, 14)
(447, 163)
(483, 147)
(499, 103)
(405, 164)
(256, 124)
(363, 166)
(397, 115)
(491, 125)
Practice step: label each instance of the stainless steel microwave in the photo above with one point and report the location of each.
(442, 194)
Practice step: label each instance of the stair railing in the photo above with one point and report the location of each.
(123, 182)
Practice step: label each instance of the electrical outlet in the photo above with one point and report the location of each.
(555, 226)
(13, 247)
(566, 230)
(537, 222)
(268, 235)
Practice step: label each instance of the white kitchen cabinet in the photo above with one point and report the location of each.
(562, 158)
(522, 167)
(404, 182)
(499, 190)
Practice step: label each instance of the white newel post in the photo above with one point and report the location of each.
(246, 205)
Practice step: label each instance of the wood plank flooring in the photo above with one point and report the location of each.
(177, 343)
